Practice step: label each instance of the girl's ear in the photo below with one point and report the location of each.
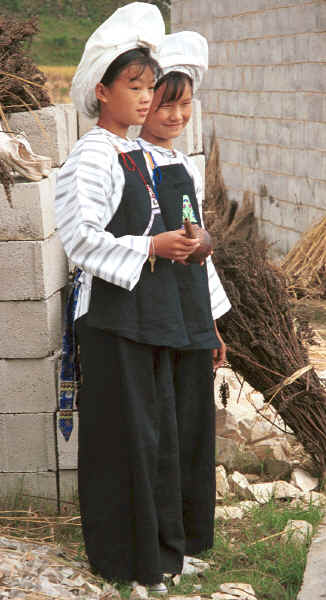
(101, 92)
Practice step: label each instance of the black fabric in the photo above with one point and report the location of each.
(146, 455)
(151, 313)
(174, 183)
(170, 307)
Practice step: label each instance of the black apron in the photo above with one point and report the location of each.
(171, 306)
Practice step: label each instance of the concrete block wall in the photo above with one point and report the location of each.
(33, 274)
(264, 97)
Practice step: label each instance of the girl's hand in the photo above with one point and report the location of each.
(174, 245)
(219, 354)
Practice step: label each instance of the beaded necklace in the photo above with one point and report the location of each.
(157, 173)
(130, 165)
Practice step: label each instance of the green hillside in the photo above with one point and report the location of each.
(65, 25)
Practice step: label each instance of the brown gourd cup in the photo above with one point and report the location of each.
(205, 248)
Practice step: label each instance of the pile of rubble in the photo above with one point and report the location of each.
(251, 436)
(35, 571)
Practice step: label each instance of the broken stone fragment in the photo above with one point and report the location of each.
(239, 484)
(109, 592)
(275, 448)
(228, 512)
(234, 512)
(139, 592)
(303, 480)
(235, 591)
(307, 498)
(184, 597)
(227, 453)
(263, 492)
(227, 425)
(193, 566)
(222, 484)
(297, 531)
(247, 505)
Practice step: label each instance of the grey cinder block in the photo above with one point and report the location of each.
(32, 216)
(27, 443)
(28, 385)
(84, 124)
(71, 125)
(197, 126)
(32, 270)
(67, 451)
(37, 485)
(185, 142)
(68, 485)
(30, 329)
(199, 161)
(46, 130)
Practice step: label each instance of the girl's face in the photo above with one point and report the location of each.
(127, 101)
(166, 122)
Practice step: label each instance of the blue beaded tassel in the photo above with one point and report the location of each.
(70, 368)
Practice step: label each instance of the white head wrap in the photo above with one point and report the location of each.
(135, 25)
(185, 51)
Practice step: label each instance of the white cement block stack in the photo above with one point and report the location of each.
(33, 272)
(32, 215)
(51, 131)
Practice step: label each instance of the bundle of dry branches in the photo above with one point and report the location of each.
(305, 264)
(266, 344)
(225, 217)
(21, 82)
(266, 347)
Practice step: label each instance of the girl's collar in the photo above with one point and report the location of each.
(150, 147)
(113, 135)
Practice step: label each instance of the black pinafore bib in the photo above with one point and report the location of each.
(171, 306)
(175, 183)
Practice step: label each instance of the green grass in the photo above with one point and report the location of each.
(64, 26)
(241, 553)
(61, 43)
(273, 568)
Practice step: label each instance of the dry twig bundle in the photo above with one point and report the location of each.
(265, 343)
(225, 217)
(266, 347)
(305, 264)
(21, 82)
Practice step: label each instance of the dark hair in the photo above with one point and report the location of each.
(175, 86)
(136, 56)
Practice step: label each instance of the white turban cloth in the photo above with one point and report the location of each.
(187, 52)
(135, 25)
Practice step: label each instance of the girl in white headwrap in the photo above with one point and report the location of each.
(183, 57)
(130, 318)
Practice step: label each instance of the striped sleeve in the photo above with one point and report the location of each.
(220, 303)
(88, 193)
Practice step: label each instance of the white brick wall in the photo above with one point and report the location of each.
(33, 273)
(264, 96)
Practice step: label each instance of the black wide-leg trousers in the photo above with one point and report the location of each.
(146, 460)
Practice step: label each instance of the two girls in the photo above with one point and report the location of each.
(143, 322)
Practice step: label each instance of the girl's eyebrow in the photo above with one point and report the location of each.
(139, 78)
